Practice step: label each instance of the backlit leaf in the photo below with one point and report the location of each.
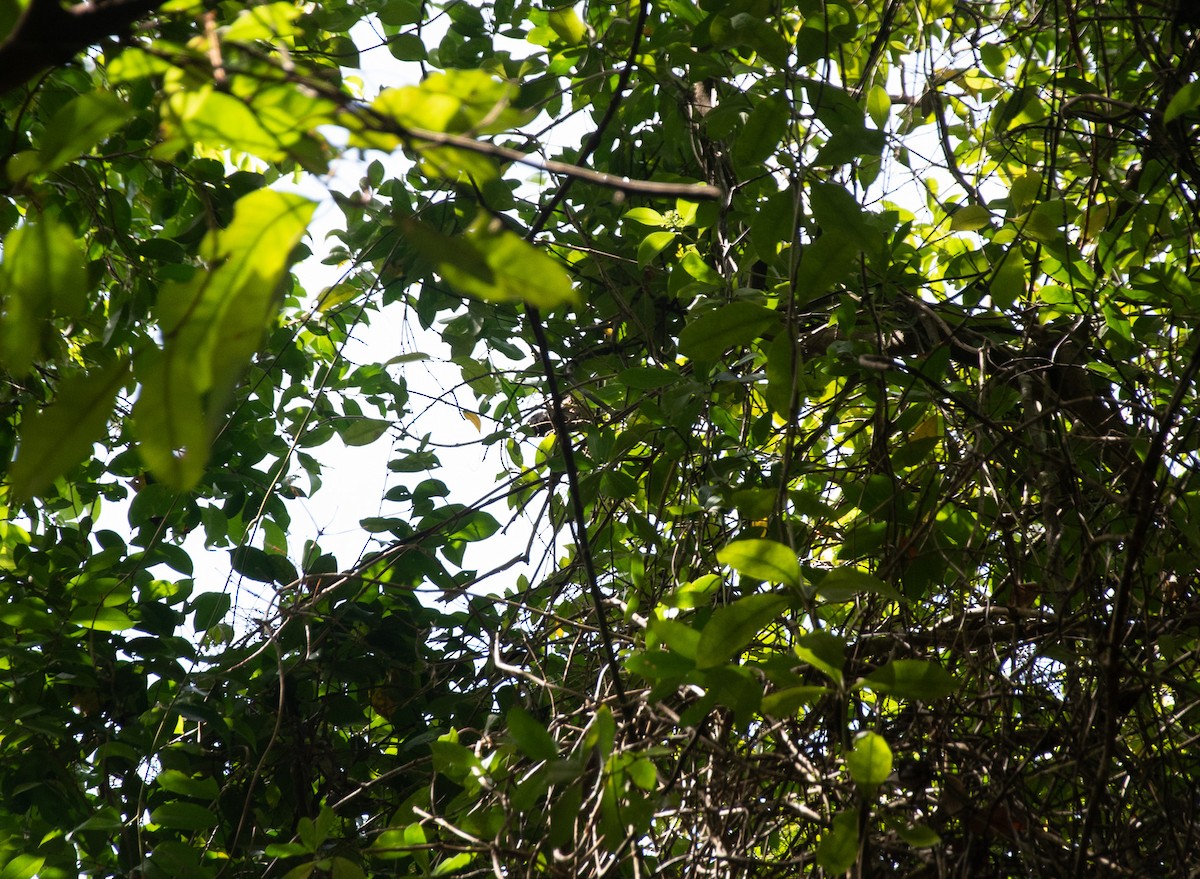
(869, 761)
(763, 560)
(530, 736)
(731, 628)
(212, 325)
(970, 218)
(82, 123)
(61, 435)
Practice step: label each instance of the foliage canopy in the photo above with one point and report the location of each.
(843, 368)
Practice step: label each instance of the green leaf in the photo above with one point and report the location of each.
(1183, 101)
(81, 124)
(732, 627)
(917, 835)
(60, 436)
(453, 864)
(454, 100)
(134, 64)
(1007, 283)
(825, 262)
(657, 665)
(764, 129)
(912, 679)
(678, 636)
(844, 584)
(733, 325)
(212, 325)
(530, 736)
(693, 263)
(643, 774)
(102, 619)
(301, 871)
(42, 275)
(266, 22)
(210, 608)
(825, 651)
(219, 120)
(22, 867)
(492, 263)
(837, 210)
(870, 761)
(363, 431)
(838, 850)
(476, 525)
(566, 22)
(652, 245)
(255, 563)
(970, 218)
(647, 378)
(757, 34)
(204, 788)
(788, 701)
(879, 105)
(601, 732)
(184, 816)
(763, 560)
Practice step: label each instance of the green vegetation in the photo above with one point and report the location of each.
(843, 361)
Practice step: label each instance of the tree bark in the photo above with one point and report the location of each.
(49, 34)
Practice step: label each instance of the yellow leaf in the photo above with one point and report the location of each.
(926, 429)
(474, 419)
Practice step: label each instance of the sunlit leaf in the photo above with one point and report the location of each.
(731, 628)
(565, 22)
(42, 275)
(652, 245)
(764, 560)
(61, 435)
(970, 218)
(22, 866)
(495, 265)
(825, 651)
(212, 326)
(102, 619)
(870, 760)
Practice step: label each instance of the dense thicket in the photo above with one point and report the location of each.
(839, 357)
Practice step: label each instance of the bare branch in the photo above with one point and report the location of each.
(694, 191)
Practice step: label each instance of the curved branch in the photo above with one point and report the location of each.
(696, 191)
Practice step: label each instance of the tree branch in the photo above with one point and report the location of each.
(656, 188)
(49, 34)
